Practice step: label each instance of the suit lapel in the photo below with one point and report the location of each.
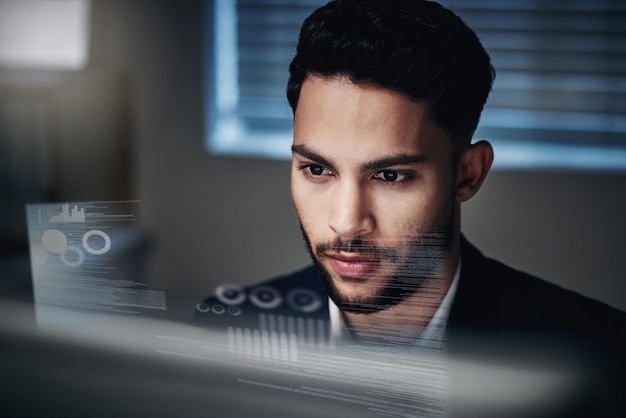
(475, 303)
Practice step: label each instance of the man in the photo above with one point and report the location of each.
(386, 96)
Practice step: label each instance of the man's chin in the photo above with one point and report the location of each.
(360, 304)
(367, 295)
(351, 300)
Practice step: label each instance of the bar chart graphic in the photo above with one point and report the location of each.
(69, 215)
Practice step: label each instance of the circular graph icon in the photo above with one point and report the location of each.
(95, 245)
(203, 307)
(233, 310)
(304, 300)
(54, 241)
(218, 309)
(266, 297)
(230, 294)
(72, 256)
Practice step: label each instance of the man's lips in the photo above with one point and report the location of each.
(352, 264)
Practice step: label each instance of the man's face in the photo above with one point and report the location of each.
(373, 185)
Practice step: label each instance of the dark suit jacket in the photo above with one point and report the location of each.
(494, 297)
(499, 316)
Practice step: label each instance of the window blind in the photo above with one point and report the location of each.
(559, 99)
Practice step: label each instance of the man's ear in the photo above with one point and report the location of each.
(472, 168)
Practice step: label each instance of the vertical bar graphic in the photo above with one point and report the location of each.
(67, 215)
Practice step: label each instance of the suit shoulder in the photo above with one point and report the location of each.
(516, 298)
(535, 293)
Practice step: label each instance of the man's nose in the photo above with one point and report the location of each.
(351, 213)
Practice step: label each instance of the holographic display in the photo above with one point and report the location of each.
(89, 255)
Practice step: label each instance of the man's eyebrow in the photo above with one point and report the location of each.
(394, 160)
(304, 151)
(380, 164)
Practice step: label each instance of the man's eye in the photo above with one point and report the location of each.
(390, 176)
(316, 170)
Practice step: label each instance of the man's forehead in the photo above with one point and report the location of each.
(336, 118)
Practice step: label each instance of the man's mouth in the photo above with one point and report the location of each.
(353, 265)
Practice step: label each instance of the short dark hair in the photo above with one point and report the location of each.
(415, 47)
